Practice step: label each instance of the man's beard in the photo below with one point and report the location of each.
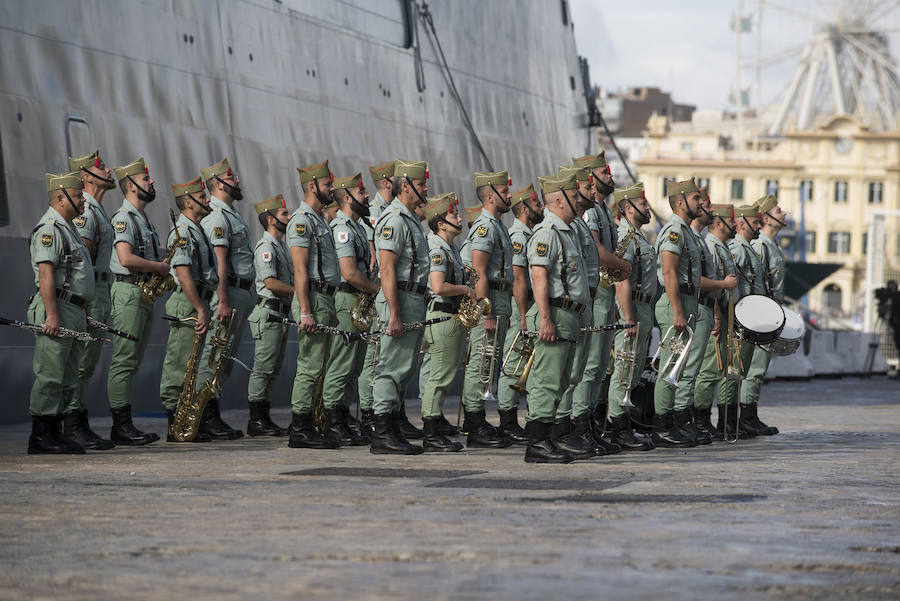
(603, 189)
(359, 208)
(148, 195)
(280, 226)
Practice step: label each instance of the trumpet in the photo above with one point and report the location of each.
(678, 348)
(487, 366)
(733, 369)
(625, 361)
(523, 347)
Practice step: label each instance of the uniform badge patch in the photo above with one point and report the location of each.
(387, 232)
(266, 256)
(80, 221)
(300, 228)
(120, 227)
(481, 231)
(219, 231)
(343, 237)
(437, 260)
(517, 248)
(573, 266)
(46, 239)
(673, 236)
(541, 249)
(182, 243)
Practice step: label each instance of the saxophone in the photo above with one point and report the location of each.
(609, 276)
(187, 412)
(154, 285)
(363, 312)
(470, 311)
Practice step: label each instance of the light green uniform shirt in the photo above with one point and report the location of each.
(707, 268)
(399, 231)
(94, 225)
(55, 241)
(488, 234)
(377, 206)
(519, 235)
(307, 229)
(135, 228)
(555, 246)
(589, 251)
(600, 220)
(194, 250)
(642, 256)
(351, 241)
(749, 267)
(445, 258)
(225, 227)
(677, 237)
(773, 265)
(723, 262)
(272, 260)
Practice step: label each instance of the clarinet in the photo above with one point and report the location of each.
(347, 335)
(94, 323)
(63, 332)
(409, 325)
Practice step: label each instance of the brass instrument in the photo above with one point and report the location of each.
(625, 362)
(94, 323)
(679, 349)
(733, 369)
(609, 276)
(487, 366)
(154, 285)
(363, 312)
(523, 347)
(471, 311)
(63, 332)
(187, 410)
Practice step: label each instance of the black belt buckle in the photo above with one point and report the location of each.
(128, 279)
(101, 276)
(67, 296)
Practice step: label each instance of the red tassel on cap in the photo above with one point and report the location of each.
(283, 203)
(96, 162)
(508, 181)
(534, 196)
(229, 173)
(360, 185)
(146, 171)
(590, 179)
(608, 170)
(427, 174)
(202, 185)
(331, 176)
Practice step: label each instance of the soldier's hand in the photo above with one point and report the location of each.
(717, 326)
(162, 268)
(730, 282)
(679, 321)
(308, 323)
(223, 312)
(522, 325)
(202, 322)
(394, 326)
(489, 322)
(547, 332)
(51, 325)
(626, 270)
(631, 332)
(470, 292)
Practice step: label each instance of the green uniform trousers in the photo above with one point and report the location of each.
(242, 302)
(129, 314)
(312, 352)
(664, 394)
(55, 359)
(445, 347)
(366, 377)
(270, 340)
(576, 370)
(643, 312)
(710, 376)
(599, 345)
(89, 352)
(730, 387)
(759, 363)
(702, 326)
(550, 371)
(345, 360)
(425, 364)
(397, 356)
(178, 349)
(507, 398)
(474, 388)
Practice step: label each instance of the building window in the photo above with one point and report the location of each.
(875, 193)
(686, 147)
(665, 185)
(4, 199)
(565, 11)
(831, 298)
(703, 182)
(865, 242)
(840, 192)
(737, 189)
(806, 190)
(811, 243)
(772, 187)
(839, 243)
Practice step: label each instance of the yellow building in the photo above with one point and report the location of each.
(843, 170)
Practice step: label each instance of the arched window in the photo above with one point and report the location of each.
(831, 299)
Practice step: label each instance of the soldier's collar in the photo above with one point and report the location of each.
(88, 197)
(401, 208)
(215, 203)
(677, 219)
(556, 220)
(486, 213)
(129, 207)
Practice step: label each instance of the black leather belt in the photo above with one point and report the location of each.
(412, 287)
(708, 301)
(348, 288)
(67, 296)
(128, 279)
(688, 289)
(275, 305)
(503, 286)
(203, 292)
(102, 276)
(242, 283)
(641, 298)
(451, 308)
(568, 304)
(322, 288)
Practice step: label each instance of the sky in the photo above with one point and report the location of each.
(687, 47)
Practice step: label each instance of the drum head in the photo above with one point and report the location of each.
(794, 327)
(759, 314)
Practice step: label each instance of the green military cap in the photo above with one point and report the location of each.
(582, 173)
(526, 193)
(134, 168)
(746, 211)
(382, 171)
(722, 210)
(354, 181)
(313, 172)
(270, 204)
(591, 161)
(59, 181)
(766, 203)
(556, 183)
(472, 214)
(220, 168)
(631, 192)
(492, 178)
(686, 187)
(411, 169)
(192, 187)
(89, 160)
(440, 204)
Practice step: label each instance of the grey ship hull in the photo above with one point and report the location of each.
(272, 86)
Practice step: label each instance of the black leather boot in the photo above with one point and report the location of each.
(727, 420)
(540, 447)
(482, 435)
(337, 430)
(566, 440)
(665, 434)
(583, 429)
(746, 422)
(303, 434)
(703, 424)
(446, 428)
(45, 438)
(170, 434)
(607, 444)
(510, 428)
(386, 441)
(212, 424)
(260, 423)
(682, 419)
(124, 432)
(76, 429)
(409, 431)
(621, 433)
(366, 422)
(434, 441)
(763, 429)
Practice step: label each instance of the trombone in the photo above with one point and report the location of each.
(679, 349)
(734, 368)
(625, 360)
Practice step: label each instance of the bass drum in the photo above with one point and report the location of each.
(791, 335)
(642, 398)
(759, 319)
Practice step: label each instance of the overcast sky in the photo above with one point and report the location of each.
(687, 47)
